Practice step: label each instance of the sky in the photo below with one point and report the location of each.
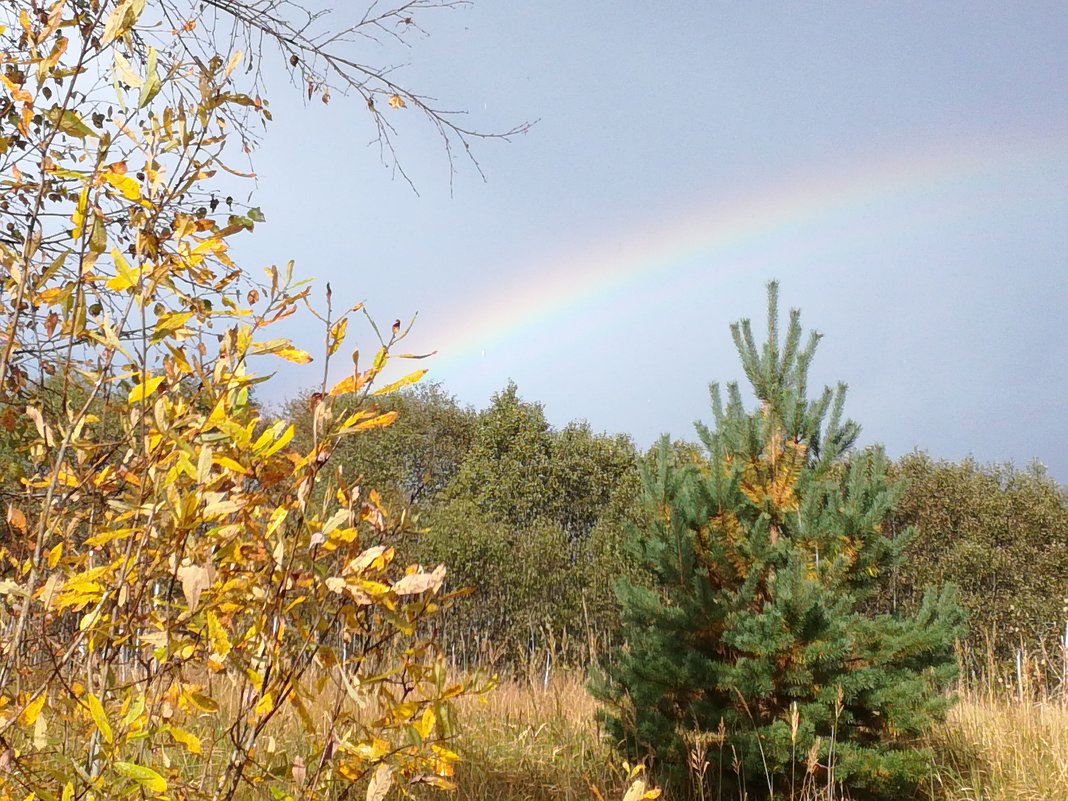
(901, 169)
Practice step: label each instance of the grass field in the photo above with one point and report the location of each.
(527, 741)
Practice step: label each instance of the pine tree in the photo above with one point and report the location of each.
(749, 634)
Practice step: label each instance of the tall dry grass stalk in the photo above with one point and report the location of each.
(999, 749)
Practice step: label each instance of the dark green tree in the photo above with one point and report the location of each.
(762, 551)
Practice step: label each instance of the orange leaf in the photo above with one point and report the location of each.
(349, 384)
(16, 519)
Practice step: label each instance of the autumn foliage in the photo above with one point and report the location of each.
(171, 594)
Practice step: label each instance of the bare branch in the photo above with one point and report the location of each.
(323, 58)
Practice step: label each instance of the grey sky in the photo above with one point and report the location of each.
(901, 168)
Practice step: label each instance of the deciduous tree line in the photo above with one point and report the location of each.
(534, 521)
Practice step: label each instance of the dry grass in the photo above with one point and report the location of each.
(524, 741)
(528, 741)
(998, 750)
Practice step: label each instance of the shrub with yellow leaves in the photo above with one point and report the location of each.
(172, 601)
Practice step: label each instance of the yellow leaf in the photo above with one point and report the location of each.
(146, 777)
(54, 555)
(204, 462)
(377, 557)
(171, 322)
(40, 732)
(278, 517)
(152, 81)
(81, 589)
(180, 362)
(281, 442)
(411, 378)
(67, 479)
(255, 677)
(381, 356)
(125, 276)
(57, 52)
(77, 217)
(372, 588)
(396, 101)
(33, 709)
(265, 705)
(209, 246)
(120, 20)
(17, 93)
(188, 739)
(143, 390)
(220, 509)
(98, 234)
(203, 702)
(96, 709)
(129, 186)
(137, 708)
(219, 641)
(230, 464)
(635, 791)
(337, 334)
(381, 421)
(425, 726)
(104, 537)
(235, 59)
(53, 296)
(68, 792)
(281, 347)
(444, 754)
(194, 579)
(294, 355)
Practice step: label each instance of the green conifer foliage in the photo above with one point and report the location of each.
(751, 635)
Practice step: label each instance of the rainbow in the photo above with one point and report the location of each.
(805, 214)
